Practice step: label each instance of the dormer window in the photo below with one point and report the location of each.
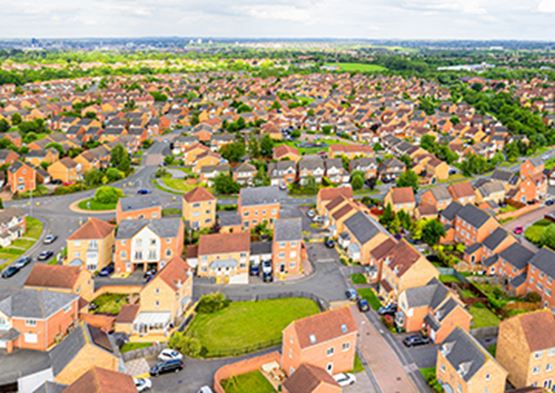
(343, 328)
(312, 339)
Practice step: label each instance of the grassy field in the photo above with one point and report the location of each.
(357, 67)
(129, 346)
(448, 278)
(110, 303)
(370, 296)
(247, 326)
(535, 232)
(358, 278)
(177, 184)
(253, 382)
(482, 317)
(91, 204)
(20, 246)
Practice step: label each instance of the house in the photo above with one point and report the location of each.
(36, 319)
(244, 174)
(199, 209)
(287, 247)
(326, 340)
(326, 195)
(209, 173)
(390, 168)
(8, 157)
(147, 244)
(360, 235)
(13, 225)
(487, 252)
(311, 167)
(462, 193)
(403, 267)
(164, 299)
(258, 205)
(65, 170)
(526, 349)
(473, 225)
(335, 171)
(350, 151)
(311, 379)
(512, 266)
(490, 191)
(91, 245)
(401, 198)
(438, 197)
(101, 380)
(432, 308)
(21, 177)
(463, 365)
(286, 152)
(59, 278)
(541, 276)
(224, 257)
(365, 165)
(138, 208)
(37, 157)
(208, 159)
(282, 173)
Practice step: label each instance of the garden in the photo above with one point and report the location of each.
(109, 303)
(21, 245)
(253, 382)
(541, 233)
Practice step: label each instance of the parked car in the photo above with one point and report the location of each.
(45, 255)
(518, 230)
(170, 354)
(142, 384)
(206, 389)
(390, 309)
(549, 202)
(267, 277)
(106, 271)
(363, 305)
(255, 270)
(143, 191)
(166, 367)
(22, 262)
(283, 187)
(318, 220)
(416, 340)
(10, 271)
(330, 243)
(149, 273)
(311, 213)
(344, 379)
(267, 267)
(49, 239)
(351, 294)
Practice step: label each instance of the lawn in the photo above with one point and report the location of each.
(358, 367)
(507, 209)
(357, 67)
(358, 278)
(370, 296)
(171, 211)
(253, 382)
(247, 326)
(129, 346)
(177, 184)
(429, 375)
(483, 317)
(20, 246)
(110, 303)
(448, 278)
(91, 204)
(535, 232)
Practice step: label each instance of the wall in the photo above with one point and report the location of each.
(520, 212)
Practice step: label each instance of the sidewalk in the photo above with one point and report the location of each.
(382, 360)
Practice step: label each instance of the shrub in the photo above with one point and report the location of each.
(107, 194)
(114, 174)
(211, 303)
(189, 346)
(533, 297)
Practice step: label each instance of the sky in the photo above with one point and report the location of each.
(379, 19)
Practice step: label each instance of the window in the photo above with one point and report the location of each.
(330, 351)
(152, 242)
(346, 346)
(293, 244)
(30, 322)
(548, 367)
(157, 303)
(157, 290)
(31, 338)
(551, 352)
(123, 255)
(442, 368)
(168, 252)
(535, 370)
(281, 244)
(329, 367)
(488, 377)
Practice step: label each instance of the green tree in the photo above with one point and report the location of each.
(212, 302)
(357, 180)
(266, 146)
(114, 174)
(405, 220)
(233, 152)
(107, 194)
(16, 119)
(4, 125)
(408, 179)
(93, 177)
(120, 159)
(186, 345)
(432, 231)
(387, 216)
(548, 236)
(225, 185)
(254, 147)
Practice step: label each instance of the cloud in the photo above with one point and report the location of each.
(547, 6)
(278, 12)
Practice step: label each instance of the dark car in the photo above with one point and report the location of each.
(45, 255)
(255, 270)
(363, 305)
(390, 309)
(351, 294)
(330, 243)
(168, 366)
(549, 202)
(22, 262)
(149, 273)
(267, 277)
(143, 191)
(416, 340)
(107, 270)
(9, 272)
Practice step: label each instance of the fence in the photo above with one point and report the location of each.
(322, 304)
(147, 352)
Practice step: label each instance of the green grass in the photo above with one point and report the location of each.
(171, 211)
(482, 317)
(534, 233)
(507, 209)
(492, 349)
(466, 294)
(253, 382)
(358, 278)
(177, 184)
(247, 326)
(370, 296)
(448, 278)
(358, 367)
(129, 346)
(357, 67)
(110, 303)
(429, 375)
(20, 246)
(91, 204)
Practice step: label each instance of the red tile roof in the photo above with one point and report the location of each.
(283, 150)
(100, 380)
(328, 194)
(175, 273)
(223, 243)
(402, 195)
(199, 194)
(308, 378)
(461, 190)
(53, 276)
(92, 229)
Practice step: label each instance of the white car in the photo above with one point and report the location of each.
(142, 384)
(206, 389)
(344, 379)
(170, 354)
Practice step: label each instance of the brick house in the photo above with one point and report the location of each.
(360, 235)
(257, 205)
(285, 152)
(462, 193)
(401, 198)
(58, 278)
(21, 177)
(311, 379)
(473, 225)
(101, 380)
(66, 170)
(541, 276)
(138, 208)
(287, 247)
(91, 245)
(282, 173)
(326, 195)
(438, 197)
(199, 209)
(326, 340)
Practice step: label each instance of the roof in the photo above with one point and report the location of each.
(491, 187)
(535, 327)
(138, 203)
(127, 313)
(431, 295)
(495, 238)
(383, 248)
(461, 190)
(462, 351)
(260, 248)
(50, 387)
(472, 215)
(220, 243)
(441, 193)
(22, 363)
(164, 227)
(92, 229)
(100, 380)
(402, 195)
(544, 260)
(517, 255)
(451, 211)
(53, 276)
(288, 229)
(328, 194)
(324, 326)
(226, 218)
(198, 194)
(259, 195)
(282, 150)
(307, 378)
(401, 257)
(174, 273)
(362, 227)
(39, 304)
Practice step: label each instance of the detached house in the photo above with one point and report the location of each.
(287, 247)
(335, 171)
(66, 170)
(99, 380)
(365, 165)
(361, 234)
(438, 197)
(401, 198)
(199, 209)
(21, 177)
(58, 278)
(462, 193)
(285, 152)
(311, 379)
(91, 245)
(244, 174)
(311, 167)
(13, 225)
(473, 225)
(282, 173)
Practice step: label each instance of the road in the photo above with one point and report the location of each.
(527, 220)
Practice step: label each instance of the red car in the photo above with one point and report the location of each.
(518, 230)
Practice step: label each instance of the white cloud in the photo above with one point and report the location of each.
(278, 12)
(546, 6)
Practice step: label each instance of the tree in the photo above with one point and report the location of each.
(114, 174)
(408, 179)
(225, 185)
(405, 220)
(311, 186)
(266, 146)
(233, 152)
(186, 345)
(357, 180)
(16, 119)
(107, 194)
(212, 302)
(548, 236)
(432, 231)
(57, 146)
(387, 216)
(4, 125)
(93, 177)
(120, 159)
(254, 147)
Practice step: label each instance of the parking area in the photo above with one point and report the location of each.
(423, 355)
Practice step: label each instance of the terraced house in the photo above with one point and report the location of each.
(257, 205)
(138, 208)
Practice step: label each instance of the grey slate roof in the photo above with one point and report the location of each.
(518, 280)
(490, 261)
(473, 248)
(451, 211)
(163, 227)
(30, 303)
(544, 260)
(311, 163)
(504, 176)
(138, 202)
(288, 229)
(517, 255)
(441, 193)
(226, 218)
(431, 294)
(472, 215)
(259, 195)
(22, 363)
(464, 351)
(495, 238)
(260, 248)
(362, 227)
